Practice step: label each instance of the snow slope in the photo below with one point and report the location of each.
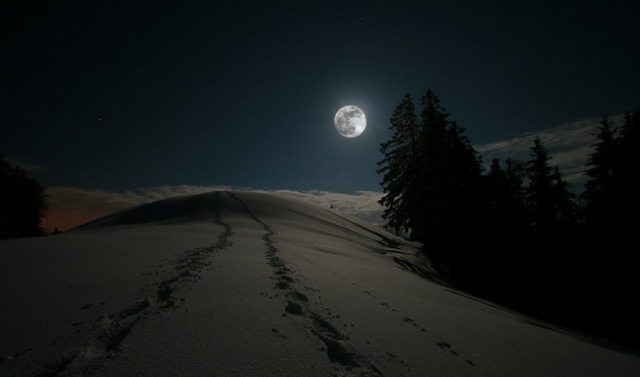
(248, 284)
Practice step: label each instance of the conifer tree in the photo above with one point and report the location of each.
(495, 171)
(435, 159)
(497, 194)
(22, 203)
(450, 171)
(452, 202)
(505, 193)
(548, 199)
(625, 222)
(433, 129)
(515, 174)
(626, 207)
(539, 192)
(563, 199)
(600, 187)
(431, 176)
(426, 165)
(629, 144)
(506, 218)
(399, 168)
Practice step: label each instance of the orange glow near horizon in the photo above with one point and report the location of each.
(65, 221)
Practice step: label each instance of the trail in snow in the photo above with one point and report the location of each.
(109, 331)
(441, 343)
(263, 305)
(337, 346)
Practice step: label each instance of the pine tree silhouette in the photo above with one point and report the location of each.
(600, 187)
(431, 176)
(400, 168)
(540, 192)
(22, 203)
(628, 172)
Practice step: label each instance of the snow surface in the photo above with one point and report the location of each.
(249, 284)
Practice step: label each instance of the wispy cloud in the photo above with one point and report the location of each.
(363, 204)
(72, 206)
(29, 168)
(569, 146)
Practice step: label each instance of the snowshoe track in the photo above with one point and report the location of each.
(346, 359)
(108, 332)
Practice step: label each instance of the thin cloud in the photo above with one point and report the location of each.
(363, 204)
(569, 146)
(71, 206)
(29, 168)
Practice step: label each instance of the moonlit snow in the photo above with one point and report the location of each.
(248, 284)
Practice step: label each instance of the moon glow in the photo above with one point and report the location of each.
(350, 121)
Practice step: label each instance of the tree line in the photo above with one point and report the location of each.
(23, 203)
(516, 234)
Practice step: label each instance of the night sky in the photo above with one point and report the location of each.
(114, 96)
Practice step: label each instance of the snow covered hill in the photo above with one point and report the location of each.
(248, 284)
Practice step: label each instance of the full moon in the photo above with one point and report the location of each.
(350, 121)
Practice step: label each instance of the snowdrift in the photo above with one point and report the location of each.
(248, 284)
